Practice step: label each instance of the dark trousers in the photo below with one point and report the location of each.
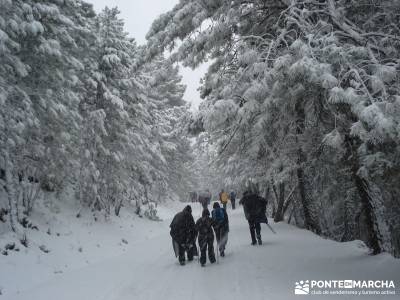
(181, 252)
(255, 228)
(233, 203)
(204, 244)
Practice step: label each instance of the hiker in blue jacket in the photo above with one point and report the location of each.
(221, 226)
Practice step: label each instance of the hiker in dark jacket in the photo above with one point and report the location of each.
(232, 197)
(203, 199)
(193, 197)
(255, 208)
(205, 237)
(183, 235)
(221, 226)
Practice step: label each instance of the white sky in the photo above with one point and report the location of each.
(138, 16)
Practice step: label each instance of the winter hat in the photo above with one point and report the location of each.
(216, 205)
(206, 213)
(188, 209)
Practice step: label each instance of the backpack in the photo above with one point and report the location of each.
(224, 197)
(218, 215)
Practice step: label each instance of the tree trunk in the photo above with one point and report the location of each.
(361, 184)
(309, 222)
(288, 200)
(118, 206)
(274, 200)
(12, 205)
(370, 218)
(279, 211)
(290, 215)
(310, 219)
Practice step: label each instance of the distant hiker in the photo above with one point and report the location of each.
(232, 196)
(193, 196)
(223, 197)
(221, 226)
(204, 197)
(255, 208)
(202, 200)
(183, 233)
(205, 237)
(208, 196)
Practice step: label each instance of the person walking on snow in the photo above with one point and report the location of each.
(223, 197)
(204, 229)
(204, 198)
(232, 196)
(255, 208)
(193, 197)
(208, 193)
(183, 233)
(221, 227)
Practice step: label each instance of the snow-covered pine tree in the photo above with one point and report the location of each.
(16, 113)
(169, 114)
(115, 90)
(42, 69)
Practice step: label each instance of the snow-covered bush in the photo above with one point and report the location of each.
(150, 211)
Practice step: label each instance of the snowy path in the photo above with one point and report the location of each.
(149, 271)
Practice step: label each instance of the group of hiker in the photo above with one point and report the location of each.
(185, 231)
(204, 198)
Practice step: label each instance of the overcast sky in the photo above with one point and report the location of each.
(138, 16)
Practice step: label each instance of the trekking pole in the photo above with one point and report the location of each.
(217, 250)
(217, 254)
(270, 228)
(198, 254)
(219, 233)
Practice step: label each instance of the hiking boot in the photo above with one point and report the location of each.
(254, 243)
(203, 265)
(222, 253)
(182, 263)
(260, 242)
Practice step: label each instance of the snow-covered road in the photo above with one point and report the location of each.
(148, 270)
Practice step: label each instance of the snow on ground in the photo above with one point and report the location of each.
(145, 267)
(74, 243)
